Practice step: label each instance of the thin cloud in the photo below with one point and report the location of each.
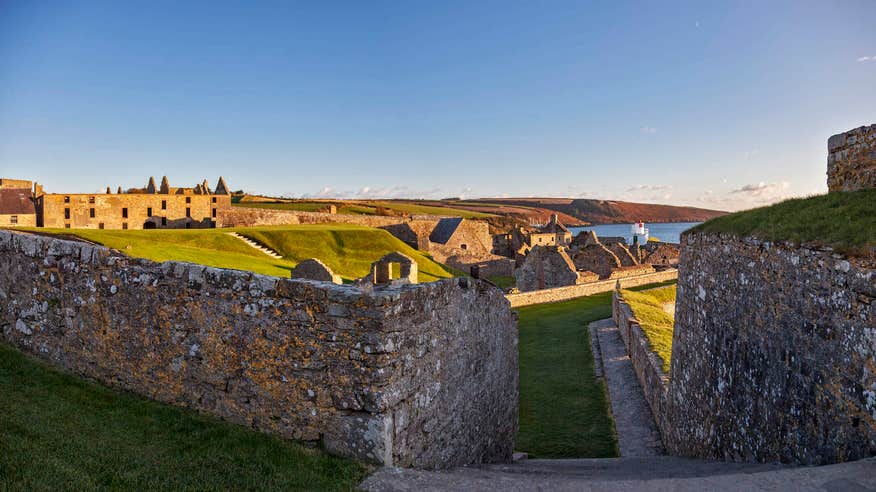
(642, 187)
(648, 130)
(866, 59)
(762, 192)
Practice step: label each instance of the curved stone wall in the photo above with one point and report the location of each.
(409, 376)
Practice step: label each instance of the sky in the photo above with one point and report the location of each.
(724, 105)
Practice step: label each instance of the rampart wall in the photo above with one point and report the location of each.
(851, 160)
(249, 217)
(407, 376)
(774, 354)
(574, 291)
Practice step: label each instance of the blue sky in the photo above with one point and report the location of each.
(727, 105)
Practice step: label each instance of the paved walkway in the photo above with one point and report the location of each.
(637, 435)
(631, 474)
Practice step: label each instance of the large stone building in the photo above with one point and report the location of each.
(152, 207)
(16, 203)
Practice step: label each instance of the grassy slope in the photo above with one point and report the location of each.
(844, 221)
(654, 320)
(563, 409)
(370, 208)
(347, 249)
(59, 432)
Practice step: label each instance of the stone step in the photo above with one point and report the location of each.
(256, 245)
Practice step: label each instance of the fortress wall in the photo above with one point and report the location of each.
(851, 160)
(559, 294)
(250, 217)
(408, 376)
(774, 354)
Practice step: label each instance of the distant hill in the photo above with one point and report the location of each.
(603, 211)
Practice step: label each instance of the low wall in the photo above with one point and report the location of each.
(574, 291)
(646, 363)
(774, 353)
(409, 376)
(237, 216)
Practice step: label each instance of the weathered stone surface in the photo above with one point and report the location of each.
(314, 269)
(559, 294)
(851, 160)
(774, 354)
(596, 258)
(662, 254)
(546, 267)
(433, 380)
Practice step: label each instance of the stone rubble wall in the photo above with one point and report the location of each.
(631, 271)
(410, 376)
(587, 289)
(774, 354)
(251, 217)
(851, 160)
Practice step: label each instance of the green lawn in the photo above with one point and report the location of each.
(348, 249)
(657, 324)
(59, 432)
(564, 410)
(845, 221)
(371, 208)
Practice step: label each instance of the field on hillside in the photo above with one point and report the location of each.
(348, 250)
(371, 208)
(60, 432)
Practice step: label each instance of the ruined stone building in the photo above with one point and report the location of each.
(518, 242)
(17, 206)
(152, 207)
(546, 267)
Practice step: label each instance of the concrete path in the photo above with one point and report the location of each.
(630, 474)
(637, 435)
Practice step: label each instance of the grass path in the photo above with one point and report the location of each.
(59, 432)
(564, 410)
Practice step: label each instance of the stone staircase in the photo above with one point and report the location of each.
(623, 474)
(257, 245)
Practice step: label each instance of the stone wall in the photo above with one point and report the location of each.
(587, 289)
(774, 353)
(631, 271)
(409, 376)
(646, 363)
(546, 267)
(851, 160)
(250, 217)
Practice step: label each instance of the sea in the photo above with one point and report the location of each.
(668, 232)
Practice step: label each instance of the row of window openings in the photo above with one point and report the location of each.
(163, 202)
(92, 212)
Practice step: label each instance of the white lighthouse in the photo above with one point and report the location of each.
(640, 231)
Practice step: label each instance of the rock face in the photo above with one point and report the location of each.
(411, 376)
(774, 354)
(851, 160)
(314, 269)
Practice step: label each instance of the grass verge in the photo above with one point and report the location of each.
(656, 322)
(845, 221)
(348, 249)
(59, 432)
